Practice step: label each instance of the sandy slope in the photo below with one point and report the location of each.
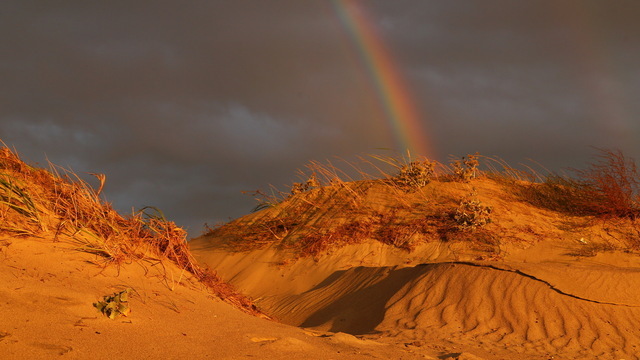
(548, 287)
(46, 296)
(568, 308)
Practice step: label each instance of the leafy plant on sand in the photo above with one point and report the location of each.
(471, 213)
(411, 174)
(466, 169)
(416, 174)
(298, 188)
(115, 305)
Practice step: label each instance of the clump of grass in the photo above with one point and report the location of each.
(610, 186)
(265, 201)
(16, 198)
(32, 201)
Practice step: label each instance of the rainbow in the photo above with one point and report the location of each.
(401, 111)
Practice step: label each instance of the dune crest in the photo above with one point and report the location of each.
(373, 259)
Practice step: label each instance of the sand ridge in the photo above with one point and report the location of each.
(46, 312)
(532, 284)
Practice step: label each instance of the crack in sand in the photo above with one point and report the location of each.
(521, 273)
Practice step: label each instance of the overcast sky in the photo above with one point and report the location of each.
(184, 104)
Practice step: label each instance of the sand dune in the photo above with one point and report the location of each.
(539, 291)
(500, 308)
(357, 270)
(46, 312)
(62, 250)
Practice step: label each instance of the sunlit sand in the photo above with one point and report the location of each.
(420, 261)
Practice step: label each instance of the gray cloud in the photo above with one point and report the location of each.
(185, 105)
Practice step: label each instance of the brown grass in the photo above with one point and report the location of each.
(340, 214)
(608, 188)
(58, 203)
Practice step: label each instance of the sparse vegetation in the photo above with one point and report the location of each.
(471, 213)
(35, 202)
(607, 189)
(466, 168)
(115, 305)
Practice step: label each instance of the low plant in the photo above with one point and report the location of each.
(415, 175)
(471, 213)
(115, 305)
(312, 182)
(466, 168)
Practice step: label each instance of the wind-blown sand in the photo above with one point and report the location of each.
(358, 270)
(545, 293)
(46, 312)
(62, 249)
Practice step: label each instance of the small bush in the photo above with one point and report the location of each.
(466, 168)
(311, 183)
(415, 175)
(610, 186)
(471, 213)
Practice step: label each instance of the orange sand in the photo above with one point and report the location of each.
(553, 291)
(46, 312)
(383, 274)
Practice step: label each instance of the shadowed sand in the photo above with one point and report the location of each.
(540, 291)
(46, 312)
(62, 249)
(371, 269)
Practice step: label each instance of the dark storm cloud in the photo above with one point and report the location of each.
(186, 104)
(523, 79)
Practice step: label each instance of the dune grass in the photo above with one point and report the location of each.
(606, 189)
(57, 203)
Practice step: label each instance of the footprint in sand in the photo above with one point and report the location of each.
(283, 344)
(60, 349)
(3, 335)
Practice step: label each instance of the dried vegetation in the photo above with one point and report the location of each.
(433, 202)
(59, 204)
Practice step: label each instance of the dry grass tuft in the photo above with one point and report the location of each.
(608, 188)
(330, 209)
(36, 202)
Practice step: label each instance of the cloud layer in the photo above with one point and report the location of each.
(185, 106)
